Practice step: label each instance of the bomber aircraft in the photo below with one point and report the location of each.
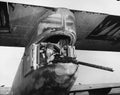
(50, 37)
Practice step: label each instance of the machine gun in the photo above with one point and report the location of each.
(66, 59)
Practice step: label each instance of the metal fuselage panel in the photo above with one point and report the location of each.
(43, 81)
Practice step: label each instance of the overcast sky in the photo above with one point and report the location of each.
(9, 60)
(10, 57)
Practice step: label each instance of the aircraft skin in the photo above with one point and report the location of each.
(49, 78)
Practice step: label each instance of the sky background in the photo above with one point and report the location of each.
(9, 60)
(10, 56)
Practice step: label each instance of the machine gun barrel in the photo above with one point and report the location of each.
(73, 60)
(94, 66)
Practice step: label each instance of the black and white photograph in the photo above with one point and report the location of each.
(59, 47)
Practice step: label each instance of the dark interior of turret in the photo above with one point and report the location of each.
(57, 38)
